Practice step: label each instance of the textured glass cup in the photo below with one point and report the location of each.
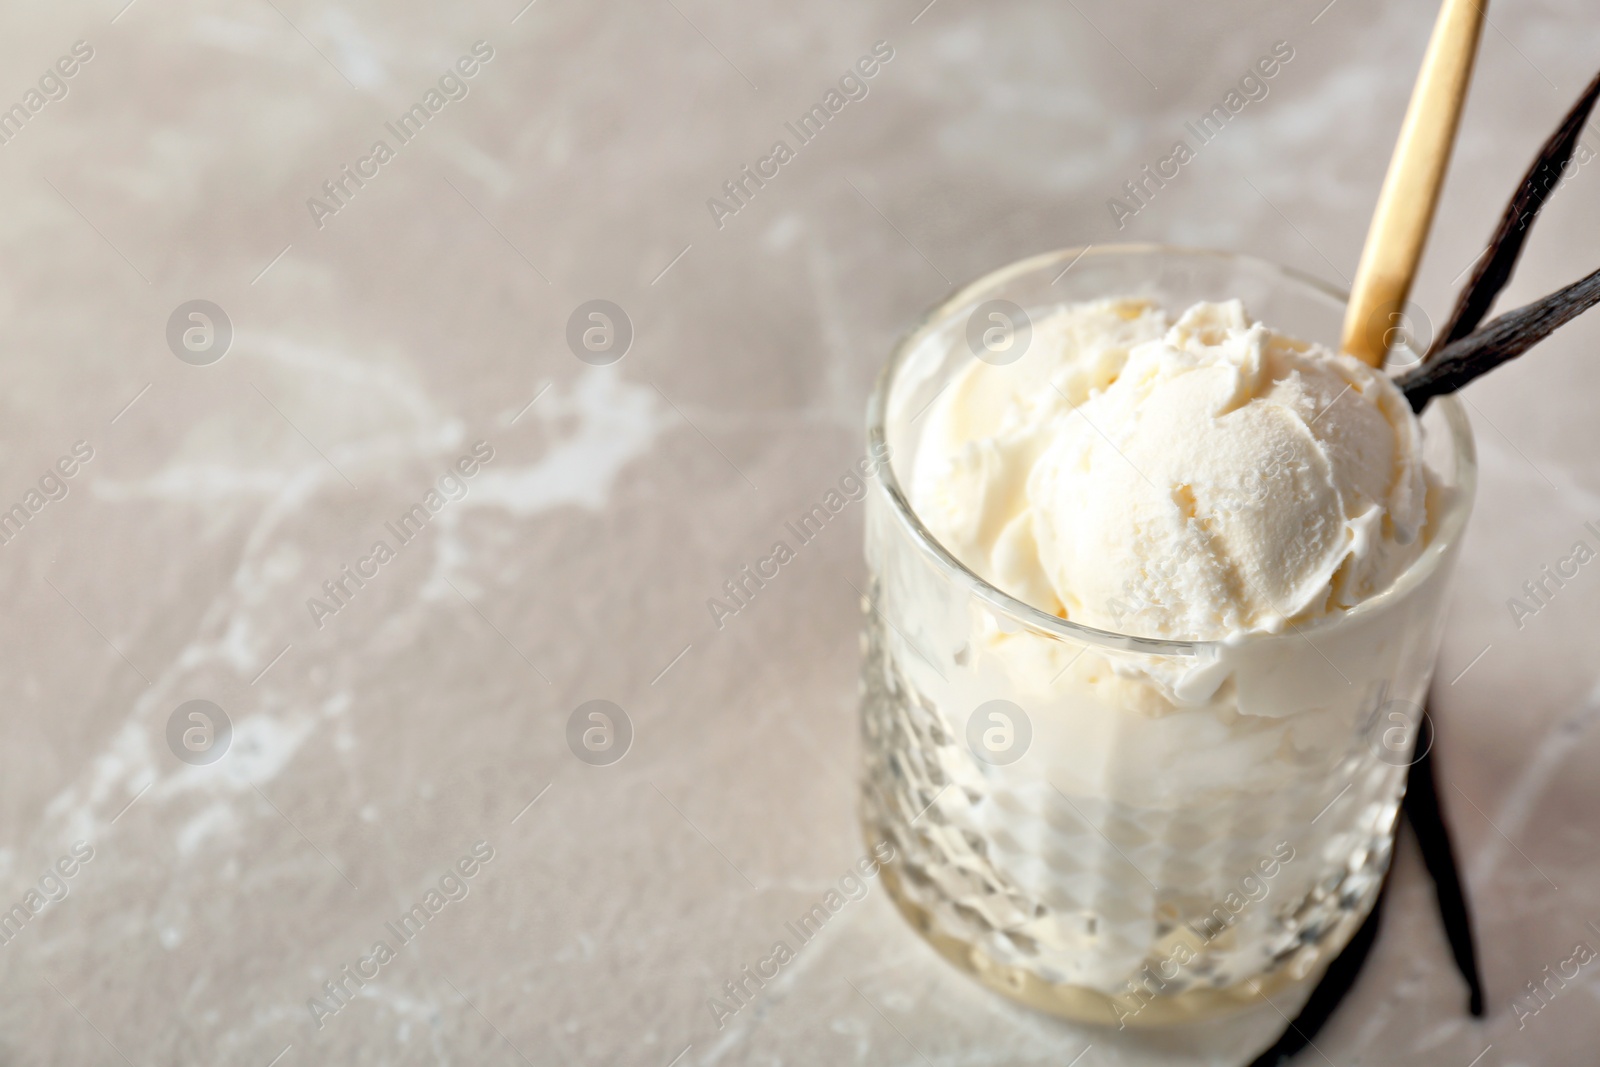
(1117, 829)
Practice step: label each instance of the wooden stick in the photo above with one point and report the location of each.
(1411, 189)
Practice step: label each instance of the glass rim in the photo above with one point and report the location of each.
(1025, 615)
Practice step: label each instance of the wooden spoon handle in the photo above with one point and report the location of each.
(1411, 189)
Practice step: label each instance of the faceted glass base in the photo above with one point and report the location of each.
(1139, 1010)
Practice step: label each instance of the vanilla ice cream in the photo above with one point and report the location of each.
(1195, 480)
(1251, 555)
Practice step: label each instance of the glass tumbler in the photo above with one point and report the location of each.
(1108, 827)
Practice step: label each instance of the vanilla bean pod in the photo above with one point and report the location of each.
(1506, 338)
(1500, 258)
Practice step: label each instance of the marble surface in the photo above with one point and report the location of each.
(374, 747)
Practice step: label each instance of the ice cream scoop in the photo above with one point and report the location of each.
(1200, 479)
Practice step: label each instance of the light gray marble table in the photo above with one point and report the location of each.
(374, 346)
